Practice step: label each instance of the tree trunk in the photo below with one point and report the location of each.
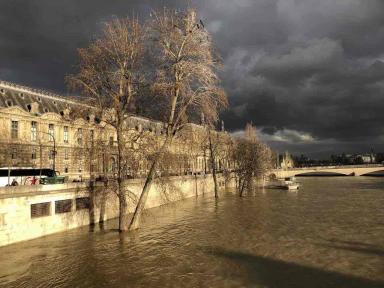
(92, 202)
(102, 206)
(135, 221)
(215, 183)
(123, 216)
(242, 187)
(91, 190)
(213, 164)
(196, 192)
(104, 192)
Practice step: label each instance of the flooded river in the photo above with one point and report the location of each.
(329, 234)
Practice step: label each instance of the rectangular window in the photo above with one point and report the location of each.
(33, 131)
(50, 155)
(66, 154)
(111, 141)
(15, 129)
(80, 136)
(33, 155)
(92, 133)
(82, 203)
(14, 153)
(63, 206)
(40, 209)
(51, 132)
(66, 169)
(66, 134)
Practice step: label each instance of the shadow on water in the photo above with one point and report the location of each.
(354, 246)
(270, 272)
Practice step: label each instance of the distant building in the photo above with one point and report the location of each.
(287, 161)
(365, 158)
(350, 159)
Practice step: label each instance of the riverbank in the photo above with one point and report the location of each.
(28, 212)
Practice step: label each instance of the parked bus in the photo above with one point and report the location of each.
(24, 175)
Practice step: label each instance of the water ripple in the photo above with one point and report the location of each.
(329, 234)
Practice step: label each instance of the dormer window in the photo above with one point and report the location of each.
(21, 95)
(46, 110)
(54, 103)
(2, 91)
(33, 107)
(66, 112)
(39, 99)
(9, 103)
(91, 118)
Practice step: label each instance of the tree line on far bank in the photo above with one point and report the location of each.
(164, 68)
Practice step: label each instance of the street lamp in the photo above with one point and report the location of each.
(54, 148)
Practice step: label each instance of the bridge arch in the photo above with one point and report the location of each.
(321, 174)
(379, 172)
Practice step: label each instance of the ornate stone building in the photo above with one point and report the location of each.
(43, 130)
(40, 129)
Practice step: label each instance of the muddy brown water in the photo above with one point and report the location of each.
(328, 234)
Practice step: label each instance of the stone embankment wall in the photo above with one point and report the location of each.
(28, 212)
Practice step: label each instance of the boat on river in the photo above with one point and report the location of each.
(286, 183)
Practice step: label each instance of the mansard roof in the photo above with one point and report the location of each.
(17, 95)
(14, 95)
(22, 96)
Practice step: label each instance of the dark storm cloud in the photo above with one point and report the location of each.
(39, 38)
(309, 73)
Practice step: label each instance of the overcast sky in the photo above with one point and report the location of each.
(308, 73)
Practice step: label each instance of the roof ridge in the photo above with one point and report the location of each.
(40, 92)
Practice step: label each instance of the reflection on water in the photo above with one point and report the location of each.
(329, 234)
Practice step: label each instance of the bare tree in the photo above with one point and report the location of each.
(253, 159)
(186, 82)
(109, 77)
(217, 145)
(90, 152)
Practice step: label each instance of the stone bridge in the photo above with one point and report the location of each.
(349, 170)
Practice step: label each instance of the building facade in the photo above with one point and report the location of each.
(39, 129)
